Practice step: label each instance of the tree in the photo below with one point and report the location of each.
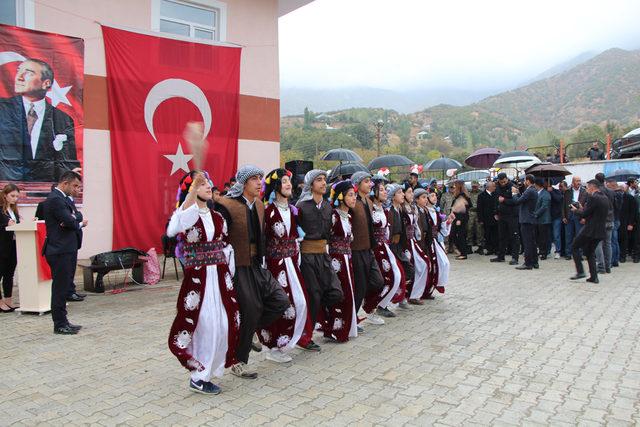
(308, 118)
(362, 133)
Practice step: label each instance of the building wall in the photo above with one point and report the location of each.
(250, 23)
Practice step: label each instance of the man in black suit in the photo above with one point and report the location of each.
(527, 204)
(507, 222)
(595, 215)
(487, 217)
(61, 247)
(37, 140)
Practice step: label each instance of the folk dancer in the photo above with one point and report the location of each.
(262, 299)
(437, 224)
(320, 280)
(397, 236)
(283, 257)
(204, 334)
(341, 321)
(367, 276)
(390, 267)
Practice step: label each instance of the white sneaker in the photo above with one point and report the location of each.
(374, 319)
(556, 256)
(242, 370)
(278, 356)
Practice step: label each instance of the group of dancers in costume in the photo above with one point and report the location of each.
(254, 264)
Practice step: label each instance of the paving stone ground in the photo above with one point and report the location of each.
(501, 347)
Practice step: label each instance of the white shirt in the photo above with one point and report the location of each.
(39, 107)
(12, 214)
(250, 204)
(576, 194)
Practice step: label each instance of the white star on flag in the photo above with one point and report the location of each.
(179, 160)
(58, 94)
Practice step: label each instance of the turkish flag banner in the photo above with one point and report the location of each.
(157, 85)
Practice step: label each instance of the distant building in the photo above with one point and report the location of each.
(422, 135)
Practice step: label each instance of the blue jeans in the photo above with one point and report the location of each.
(615, 244)
(572, 228)
(556, 227)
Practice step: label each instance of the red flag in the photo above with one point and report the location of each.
(155, 86)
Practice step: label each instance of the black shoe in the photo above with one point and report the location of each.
(74, 327)
(74, 297)
(65, 330)
(256, 346)
(385, 312)
(543, 257)
(623, 260)
(203, 387)
(498, 259)
(311, 347)
(536, 266)
(568, 258)
(593, 280)
(513, 262)
(578, 276)
(636, 260)
(81, 295)
(489, 253)
(607, 270)
(615, 264)
(480, 250)
(601, 270)
(524, 267)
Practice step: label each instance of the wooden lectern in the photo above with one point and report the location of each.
(35, 295)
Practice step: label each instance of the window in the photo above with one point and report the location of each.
(191, 20)
(8, 12)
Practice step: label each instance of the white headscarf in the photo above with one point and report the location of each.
(242, 176)
(308, 182)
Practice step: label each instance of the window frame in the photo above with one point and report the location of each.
(25, 13)
(218, 7)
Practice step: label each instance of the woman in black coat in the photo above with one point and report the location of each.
(460, 207)
(8, 259)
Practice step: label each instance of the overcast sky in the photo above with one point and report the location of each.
(466, 44)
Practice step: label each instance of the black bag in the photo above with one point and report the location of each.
(121, 258)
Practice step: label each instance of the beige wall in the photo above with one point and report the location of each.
(250, 23)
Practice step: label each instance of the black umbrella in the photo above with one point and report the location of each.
(622, 175)
(342, 154)
(346, 169)
(548, 170)
(389, 161)
(442, 164)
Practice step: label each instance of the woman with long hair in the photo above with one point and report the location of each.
(341, 321)
(8, 258)
(460, 207)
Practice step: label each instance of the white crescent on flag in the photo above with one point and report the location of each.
(176, 88)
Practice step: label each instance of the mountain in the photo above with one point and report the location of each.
(562, 67)
(606, 87)
(294, 100)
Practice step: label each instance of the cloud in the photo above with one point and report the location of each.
(457, 44)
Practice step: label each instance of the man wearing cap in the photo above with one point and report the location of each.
(474, 229)
(595, 215)
(367, 276)
(507, 217)
(260, 296)
(321, 282)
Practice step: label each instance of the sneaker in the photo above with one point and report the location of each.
(310, 347)
(242, 370)
(360, 329)
(385, 312)
(556, 256)
(374, 319)
(416, 302)
(278, 356)
(404, 305)
(256, 345)
(203, 387)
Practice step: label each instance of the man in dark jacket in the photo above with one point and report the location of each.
(557, 199)
(574, 194)
(595, 215)
(595, 153)
(526, 217)
(487, 210)
(543, 217)
(603, 250)
(61, 247)
(507, 222)
(617, 207)
(628, 223)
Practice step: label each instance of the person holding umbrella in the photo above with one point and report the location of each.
(527, 204)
